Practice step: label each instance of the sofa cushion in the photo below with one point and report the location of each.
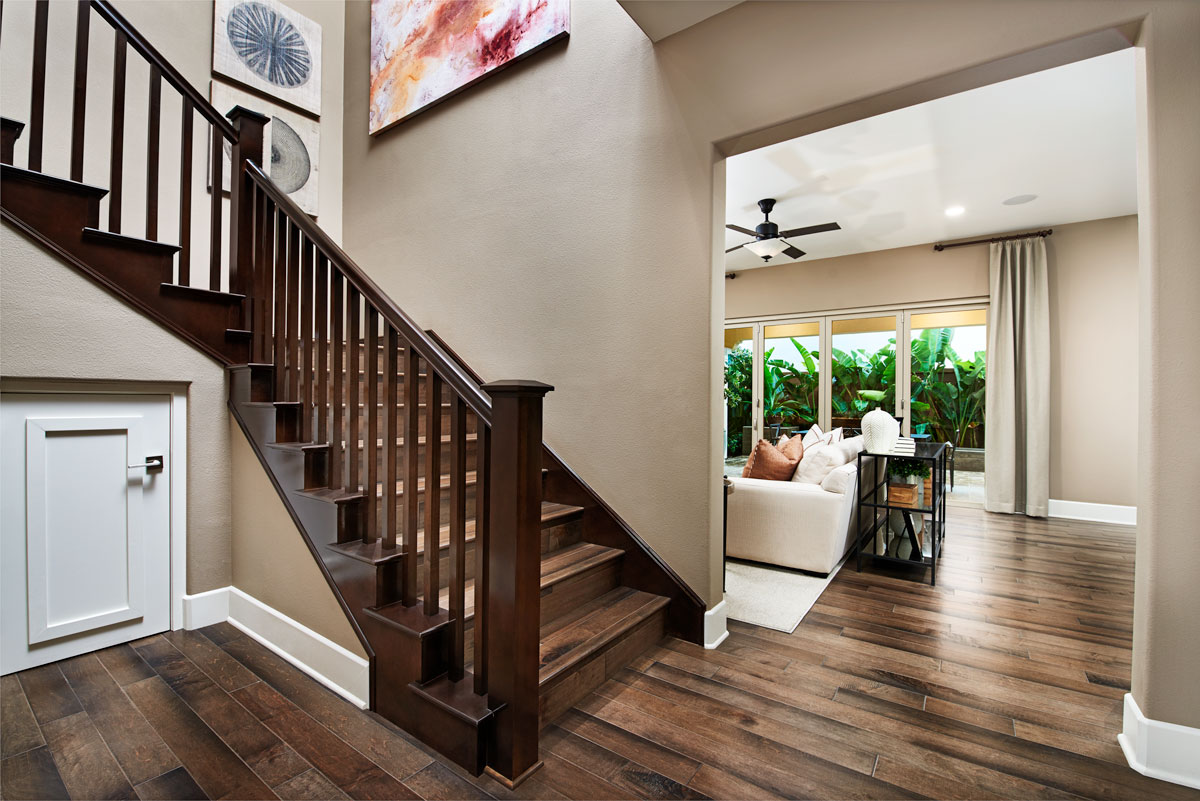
(840, 479)
(767, 461)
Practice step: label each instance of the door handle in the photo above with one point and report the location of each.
(153, 464)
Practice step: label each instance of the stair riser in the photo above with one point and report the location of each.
(51, 209)
(557, 537)
(578, 590)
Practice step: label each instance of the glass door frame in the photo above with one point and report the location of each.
(903, 314)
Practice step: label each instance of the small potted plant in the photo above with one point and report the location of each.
(905, 477)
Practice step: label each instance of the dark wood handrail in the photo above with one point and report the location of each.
(444, 365)
(168, 71)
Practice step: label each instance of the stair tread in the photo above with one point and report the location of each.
(134, 242)
(560, 565)
(19, 173)
(572, 639)
(370, 552)
(559, 512)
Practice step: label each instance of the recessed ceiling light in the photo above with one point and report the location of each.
(1017, 200)
(954, 211)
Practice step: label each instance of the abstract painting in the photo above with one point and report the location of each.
(423, 51)
(291, 145)
(267, 46)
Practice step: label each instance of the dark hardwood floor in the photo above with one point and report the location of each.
(1004, 681)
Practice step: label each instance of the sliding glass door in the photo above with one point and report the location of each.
(924, 365)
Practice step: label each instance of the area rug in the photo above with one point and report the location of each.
(772, 597)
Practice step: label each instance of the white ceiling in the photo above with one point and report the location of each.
(1067, 135)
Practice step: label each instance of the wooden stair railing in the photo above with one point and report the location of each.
(486, 610)
(310, 304)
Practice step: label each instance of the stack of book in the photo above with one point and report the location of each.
(905, 446)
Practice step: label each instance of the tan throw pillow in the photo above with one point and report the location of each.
(767, 461)
(792, 448)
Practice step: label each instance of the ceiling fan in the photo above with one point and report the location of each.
(769, 241)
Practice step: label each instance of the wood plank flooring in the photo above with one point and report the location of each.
(1004, 681)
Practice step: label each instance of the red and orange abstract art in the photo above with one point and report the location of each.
(423, 51)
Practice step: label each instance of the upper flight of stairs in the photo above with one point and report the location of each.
(603, 596)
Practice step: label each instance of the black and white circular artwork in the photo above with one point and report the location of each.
(290, 162)
(269, 45)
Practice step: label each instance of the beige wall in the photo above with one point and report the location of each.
(1093, 277)
(55, 323)
(270, 560)
(557, 222)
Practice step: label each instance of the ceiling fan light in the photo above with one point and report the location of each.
(767, 248)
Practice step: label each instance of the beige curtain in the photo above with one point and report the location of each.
(1017, 438)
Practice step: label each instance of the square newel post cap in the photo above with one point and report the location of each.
(517, 386)
(238, 113)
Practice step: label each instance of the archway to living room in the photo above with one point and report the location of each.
(860, 276)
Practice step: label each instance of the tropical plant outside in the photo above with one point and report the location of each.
(947, 389)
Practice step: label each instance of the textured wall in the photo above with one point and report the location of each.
(55, 323)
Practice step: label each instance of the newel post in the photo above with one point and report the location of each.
(514, 576)
(248, 147)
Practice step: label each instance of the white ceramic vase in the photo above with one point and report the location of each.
(880, 431)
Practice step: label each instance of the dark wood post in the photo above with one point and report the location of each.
(248, 147)
(514, 575)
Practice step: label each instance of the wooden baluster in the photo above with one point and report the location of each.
(278, 312)
(264, 277)
(514, 552)
(83, 20)
(248, 147)
(218, 179)
(155, 112)
(337, 349)
(371, 451)
(306, 340)
(458, 534)
(116, 160)
(37, 100)
(391, 520)
(482, 560)
(412, 467)
(353, 412)
(185, 196)
(433, 486)
(293, 312)
(322, 397)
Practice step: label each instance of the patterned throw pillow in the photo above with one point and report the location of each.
(767, 461)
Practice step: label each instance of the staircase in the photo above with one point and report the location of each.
(491, 587)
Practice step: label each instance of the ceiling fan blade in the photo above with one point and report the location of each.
(793, 252)
(742, 230)
(736, 247)
(811, 229)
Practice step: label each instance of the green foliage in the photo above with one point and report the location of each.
(947, 389)
(899, 467)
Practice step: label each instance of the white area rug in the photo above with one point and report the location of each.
(772, 597)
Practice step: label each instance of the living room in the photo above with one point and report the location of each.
(890, 308)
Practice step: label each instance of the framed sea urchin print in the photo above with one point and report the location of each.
(270, 48)
(424, 51)
(291, 145)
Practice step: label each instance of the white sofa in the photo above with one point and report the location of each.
(792, 524)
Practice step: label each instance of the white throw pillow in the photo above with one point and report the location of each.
(819, 462)
(852, 447)
(840, 479)
(812, 436)
(836, 435)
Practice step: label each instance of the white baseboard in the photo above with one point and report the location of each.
(206, 608)
(346, 673)
(1094, 512)
(1158, 749)
(715, 626)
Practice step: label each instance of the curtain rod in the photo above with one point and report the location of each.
(1046, 232)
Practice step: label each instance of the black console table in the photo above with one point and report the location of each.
(875, 508)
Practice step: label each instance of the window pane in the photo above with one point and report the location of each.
(863, 365)
(948, 366)
(791, 378)
(739, 344)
